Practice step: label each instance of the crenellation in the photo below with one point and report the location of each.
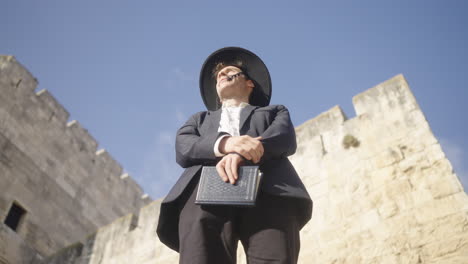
(100, 152)
(131, 186)
(51, 167)
(386, 98)
(80, 137)
(57, 111)
(107, 163)
(396, 178)
(16, 77)
(324, 122)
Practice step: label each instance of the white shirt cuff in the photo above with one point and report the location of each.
(216, 146)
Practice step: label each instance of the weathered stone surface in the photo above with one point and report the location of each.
(392, 198)
(383, 190)
(13, 249)
(404, 191)
(52, 170)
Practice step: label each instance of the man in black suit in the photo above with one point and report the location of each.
(239, 127)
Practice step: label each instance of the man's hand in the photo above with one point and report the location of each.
(250, 148)
(228, 166)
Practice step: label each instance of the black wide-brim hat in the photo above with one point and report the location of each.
(252, 66)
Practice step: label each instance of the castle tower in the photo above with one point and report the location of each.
(383, 190)
(56, 187)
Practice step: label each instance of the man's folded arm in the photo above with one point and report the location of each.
(192, 148)
(279, 139)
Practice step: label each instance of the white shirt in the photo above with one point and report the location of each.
(229, 123)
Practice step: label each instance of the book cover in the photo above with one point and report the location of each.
(213, 190)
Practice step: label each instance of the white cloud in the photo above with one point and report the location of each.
(456, 155)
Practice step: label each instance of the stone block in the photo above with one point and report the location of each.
(69, 254)
(445, 187)
(383, 176)
(452, 245)
(449, 259)
(80, 137)
(388, 157)
(397, 188)
(439, 229)
(318, 189)
(359, 242)
(369, 219)
(412, 165)
(312, 148)
(13, 249)
(65, 185)
(386, 98)
(348, 209)
(441, 207)
(435, 152)
(334, 252)
(326, 121)
(420, 196)
(388, 209)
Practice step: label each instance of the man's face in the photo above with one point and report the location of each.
(235, 87)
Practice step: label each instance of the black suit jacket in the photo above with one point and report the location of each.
(194, 148)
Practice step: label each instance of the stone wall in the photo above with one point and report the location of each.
(382, 187)
(130, 239)
(14, 250)
(52, 169)
(383, 192)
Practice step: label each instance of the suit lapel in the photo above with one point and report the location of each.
(213, 119)
(244, 115)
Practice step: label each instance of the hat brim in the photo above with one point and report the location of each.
(255, 69)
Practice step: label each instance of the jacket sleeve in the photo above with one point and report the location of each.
(279, 139)
(193, 148)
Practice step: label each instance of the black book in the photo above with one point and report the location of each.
(213, 190)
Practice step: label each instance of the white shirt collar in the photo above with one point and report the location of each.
(241, 105)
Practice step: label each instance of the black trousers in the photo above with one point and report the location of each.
(209, 234)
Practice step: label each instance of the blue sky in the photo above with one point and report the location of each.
(128, 70)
